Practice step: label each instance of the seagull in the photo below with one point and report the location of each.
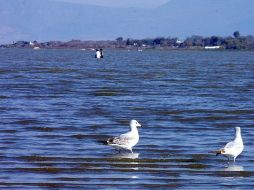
(233, 148)
(127, 140)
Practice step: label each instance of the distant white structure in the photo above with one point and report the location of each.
(212, 47)
(31, 43)
(178, 42)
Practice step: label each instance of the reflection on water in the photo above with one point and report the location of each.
(126, 155)
(234, 168)
(56, 106)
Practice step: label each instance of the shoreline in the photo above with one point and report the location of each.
(229, 43)
(125, 49)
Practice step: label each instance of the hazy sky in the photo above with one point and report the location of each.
(178, 18)
(122, 3)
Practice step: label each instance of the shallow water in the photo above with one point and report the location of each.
(57, 105)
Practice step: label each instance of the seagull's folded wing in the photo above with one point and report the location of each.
(231, 145)
(123, 139)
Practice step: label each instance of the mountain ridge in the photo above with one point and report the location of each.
(53, 20)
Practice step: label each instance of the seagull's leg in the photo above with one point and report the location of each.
(234, 160)
(228, 161)
(131, 150)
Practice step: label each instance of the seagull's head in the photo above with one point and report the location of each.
(237, 129)
(134, 124)
(237, 132)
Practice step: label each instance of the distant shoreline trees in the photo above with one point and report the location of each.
(198, 42)
(235, 42)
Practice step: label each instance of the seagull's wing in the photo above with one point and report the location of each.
(233, 146)
(230, 145)
(127, 136)
(123, 139)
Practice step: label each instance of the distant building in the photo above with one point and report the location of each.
(212, 47)
(31, 43)
(179, 42)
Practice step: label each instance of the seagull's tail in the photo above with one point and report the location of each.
(110, 141)
(217, 152)
(104, 142)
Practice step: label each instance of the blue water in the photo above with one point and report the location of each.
(57, 105)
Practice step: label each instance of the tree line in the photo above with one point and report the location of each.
(236, 41)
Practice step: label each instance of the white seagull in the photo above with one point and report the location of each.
(233, 148)
(127, 140)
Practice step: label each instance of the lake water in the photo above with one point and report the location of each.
(56, 105)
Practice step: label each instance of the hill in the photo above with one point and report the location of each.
(53, 20)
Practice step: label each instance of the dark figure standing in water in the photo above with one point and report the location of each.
(97, 54)
(102, 54)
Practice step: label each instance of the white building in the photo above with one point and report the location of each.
(212, 47)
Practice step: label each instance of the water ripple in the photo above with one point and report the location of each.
(58, 105)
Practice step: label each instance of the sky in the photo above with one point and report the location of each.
(58, 20)
(122, 3)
